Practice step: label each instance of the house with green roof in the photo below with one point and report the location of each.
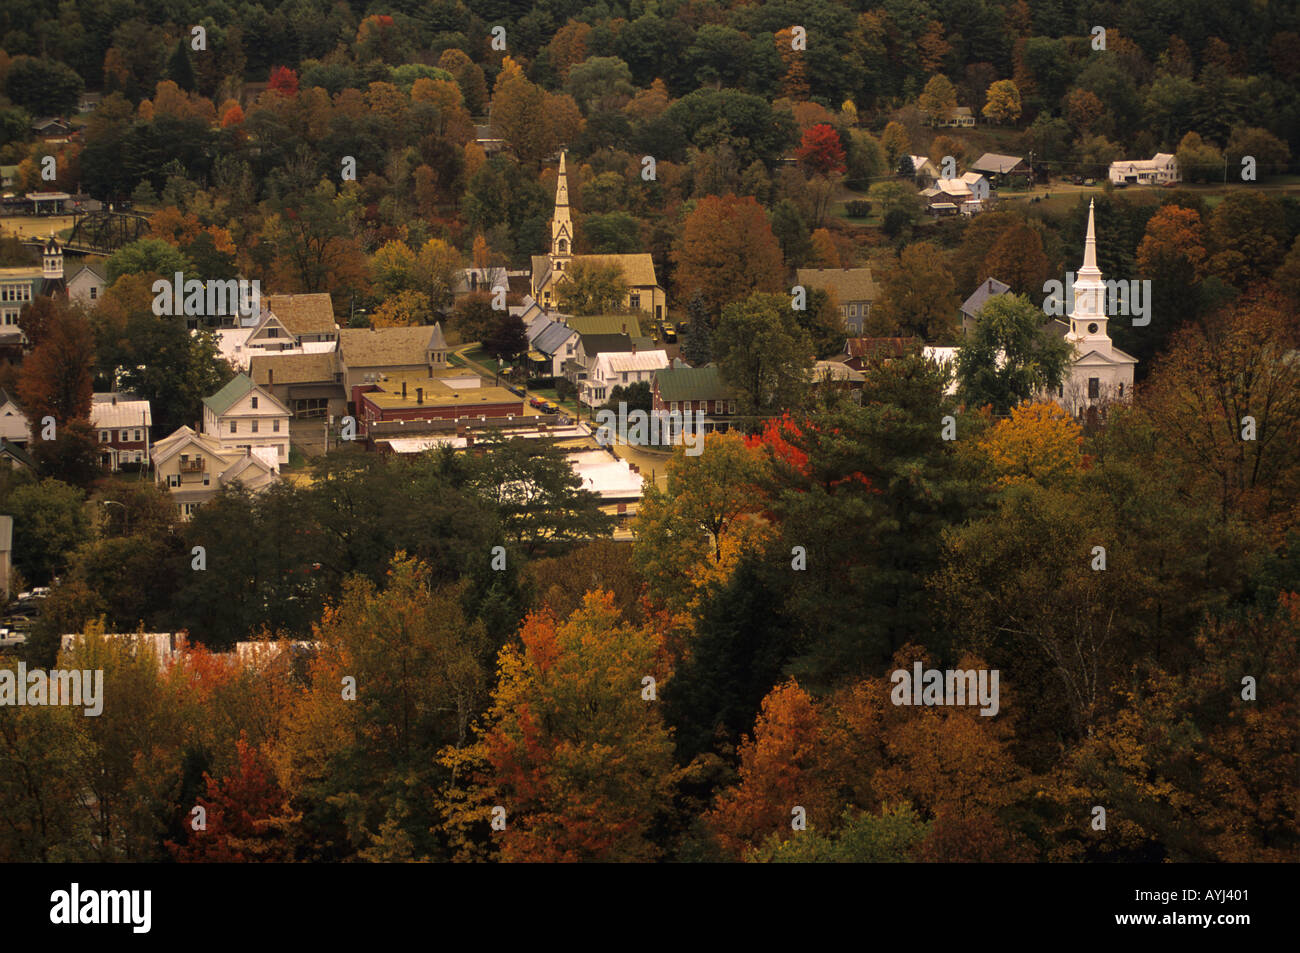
(700, 391)
(242, 417)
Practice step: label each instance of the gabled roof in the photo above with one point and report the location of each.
(303, 313)
(293, 368)
(10, 449)
(126, 412)
(679, 382)
(618, 362)
(224, 399)
(94, 271)
(593, 344)
(250, 461)
(389, 347)
(172, 444)
(996, 162)
(989, 288)
(605, 324)
(552, 338)
(638, 269)
(849, 284)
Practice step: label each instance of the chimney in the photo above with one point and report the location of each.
(419, 395)
(115, 400)
(403, 390)
(270, 376)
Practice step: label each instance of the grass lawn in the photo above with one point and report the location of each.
(481, 357)
(572, 406)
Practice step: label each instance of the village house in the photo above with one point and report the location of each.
(682, 389)
(121, 425)
(925, 171)
(14, 425)
(970, 308)
(613, 369)
(859, 352)
(1161, 169)
(956, 116)
(550, 271)
(1003, 170)
(966, 195)
(194, 467)
(242, 416)
(87, 285)
(550, 344)
(854, 291)
(367, 354)
(310, 385)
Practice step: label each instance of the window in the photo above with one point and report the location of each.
(138, 436)
(1121, 390)
(634, 301)
(853, 311)
(731, 406)
(717, 406)
(94, 293)
(1094, 387)
(275, 426)
(625, 377)
(173, 479)
(255, 403)
(234, 426)
(104, 436)
(207, 481)
(254, 426)
(675, 407)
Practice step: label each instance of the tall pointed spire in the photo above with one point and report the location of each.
(561, 221)
(562, 185)
(1089, 243)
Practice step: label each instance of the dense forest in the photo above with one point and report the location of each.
(677, 697)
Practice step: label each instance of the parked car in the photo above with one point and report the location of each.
(536, 402)
(670, 333)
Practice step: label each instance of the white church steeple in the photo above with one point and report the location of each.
(1088, 314)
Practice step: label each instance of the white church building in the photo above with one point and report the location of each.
(1100, 373)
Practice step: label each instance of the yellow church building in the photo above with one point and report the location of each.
(644, 293)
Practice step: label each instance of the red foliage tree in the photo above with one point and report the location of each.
(284, 81)
(821, 150)
(247, 815)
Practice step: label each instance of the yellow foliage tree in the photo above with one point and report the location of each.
(1040, 443)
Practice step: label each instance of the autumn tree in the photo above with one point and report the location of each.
(693, 530)
(1017, 258)
(820, 150)
(1038, 443)
(366, 758)
(917, 297)
(764, 353)
(247, 816)
(56, 378)
(938, 97)
(896, 143)
(1225, 404)
(727, 251)
(780, 769)
(578, 757)
(1003, 102)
